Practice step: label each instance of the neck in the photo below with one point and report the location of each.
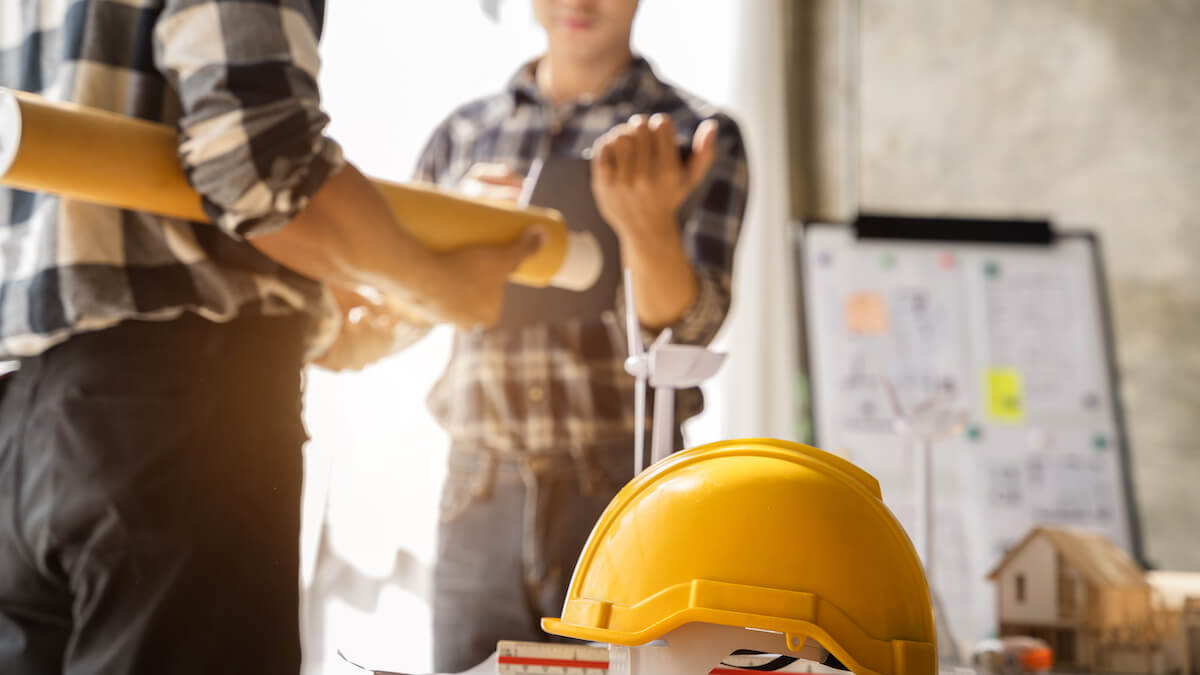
(562, 78)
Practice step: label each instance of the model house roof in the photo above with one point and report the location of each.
(1091, 554)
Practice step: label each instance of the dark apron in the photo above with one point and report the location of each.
(565, 184)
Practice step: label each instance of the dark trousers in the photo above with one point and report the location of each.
(512, 530)
(150, 482)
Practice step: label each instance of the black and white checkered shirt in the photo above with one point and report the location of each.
(239, 79)
(563, 386)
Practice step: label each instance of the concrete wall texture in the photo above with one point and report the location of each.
(1083, 111)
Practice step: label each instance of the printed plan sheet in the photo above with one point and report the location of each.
(1011, 338)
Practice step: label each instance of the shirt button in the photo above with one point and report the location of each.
(536, 394)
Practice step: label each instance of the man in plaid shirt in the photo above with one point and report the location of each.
(150, 463)
(541, 416)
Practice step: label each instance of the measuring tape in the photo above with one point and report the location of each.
(539, 658)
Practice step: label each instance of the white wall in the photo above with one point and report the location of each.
(1083, 111)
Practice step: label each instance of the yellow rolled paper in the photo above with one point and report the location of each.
(100, 157)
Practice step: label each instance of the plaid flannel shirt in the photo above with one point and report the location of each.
(561, 387)
(239, 79)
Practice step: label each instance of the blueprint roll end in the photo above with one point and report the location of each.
(582, 264)
(10, 130)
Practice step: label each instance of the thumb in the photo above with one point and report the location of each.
(704, 152)
(529, 243)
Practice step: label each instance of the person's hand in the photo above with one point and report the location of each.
(466, 285)
(493, 182)
(367, 334)
(639, 181)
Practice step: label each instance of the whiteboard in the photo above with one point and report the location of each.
(1016, 336)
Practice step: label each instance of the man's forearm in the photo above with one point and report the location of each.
(664, 282)
(346, 236)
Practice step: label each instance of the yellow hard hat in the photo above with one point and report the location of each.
(760, 534)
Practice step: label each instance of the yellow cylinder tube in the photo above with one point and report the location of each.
(100, 157)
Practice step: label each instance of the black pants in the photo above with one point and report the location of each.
(150, 482)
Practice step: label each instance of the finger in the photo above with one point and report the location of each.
(338, 357)
(492, 181)
(623, 154)
(498, 193)
(506, 179)
(483, 170)
(603, 160)
(400, 310)
(704, 152)
(663, 131)
(477, 172)
(330, 360)
(347, 299)
(642, 154)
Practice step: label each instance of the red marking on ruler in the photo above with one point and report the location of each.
(561, 663)
(595, 665)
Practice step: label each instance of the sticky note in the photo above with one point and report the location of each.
(1005, 391)
(866, 314)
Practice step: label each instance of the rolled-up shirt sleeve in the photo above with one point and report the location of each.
(252, 137)
(710, 236)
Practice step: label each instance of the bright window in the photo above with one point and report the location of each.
(392, 69)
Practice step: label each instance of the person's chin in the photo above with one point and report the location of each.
(581, 50)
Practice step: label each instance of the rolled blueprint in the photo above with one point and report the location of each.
(104, 158)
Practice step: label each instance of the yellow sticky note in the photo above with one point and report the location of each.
(866, 314)
(1005, 395)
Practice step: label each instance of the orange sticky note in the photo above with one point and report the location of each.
(866, 314)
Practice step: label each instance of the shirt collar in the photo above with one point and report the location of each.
(637, 77)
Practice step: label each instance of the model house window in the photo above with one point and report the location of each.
(1020, 588)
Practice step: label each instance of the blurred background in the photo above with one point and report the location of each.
(1079, 111)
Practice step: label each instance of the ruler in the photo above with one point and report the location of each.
(540, 658)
